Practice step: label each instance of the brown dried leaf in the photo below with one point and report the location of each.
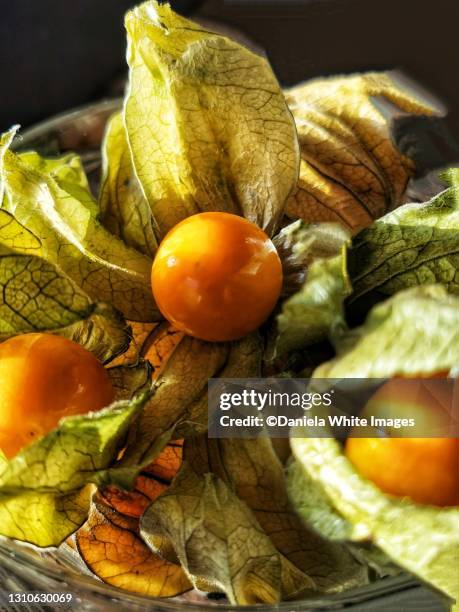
(110, 544)
(251, 468)
(217, 539)
(127, 380)
(351, 171)
(139, 333)
(159, 346)
(179, 403)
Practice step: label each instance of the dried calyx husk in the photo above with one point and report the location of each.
(196, 136)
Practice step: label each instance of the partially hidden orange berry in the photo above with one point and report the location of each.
(424, 469)
(43, 378)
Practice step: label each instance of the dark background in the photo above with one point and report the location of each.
(57, 54)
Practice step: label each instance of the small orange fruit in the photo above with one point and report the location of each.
(216, 276)
(424, 469)
(42, 379)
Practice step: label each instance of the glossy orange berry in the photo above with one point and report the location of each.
(426, 470)
(216, 276)
(42, 379)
